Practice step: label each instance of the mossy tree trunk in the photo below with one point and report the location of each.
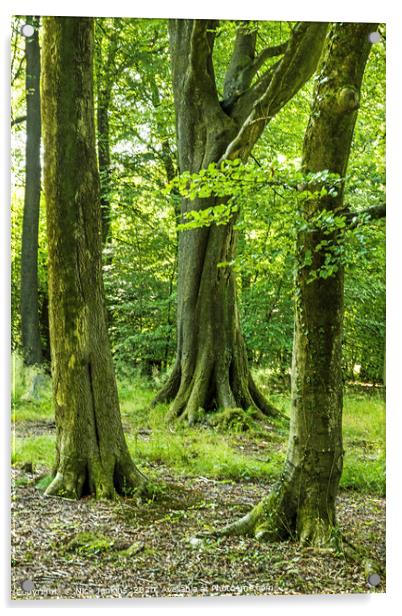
(211, 368)
(302, 504)
(31, 341)
(91, 452)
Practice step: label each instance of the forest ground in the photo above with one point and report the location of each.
(204, 477)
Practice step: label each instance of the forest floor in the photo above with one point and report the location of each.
(89, 549)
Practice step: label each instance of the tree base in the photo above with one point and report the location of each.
(203, 392)
(275, 518)
(75, 480)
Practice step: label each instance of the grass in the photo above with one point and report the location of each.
(364, 443)
(40, 450)
(212, 451)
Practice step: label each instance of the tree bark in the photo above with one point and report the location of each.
(91, 452)
(302, 504)
(211, 368)
(105, 78)
(31, 342)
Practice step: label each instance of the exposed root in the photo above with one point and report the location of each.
(261, 403)
(171, 387)
(90, 479)
(359, 555)
(276, 518)
(206, 389)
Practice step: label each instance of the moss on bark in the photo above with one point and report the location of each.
(91, 451)
(211, 369)
(303, 504)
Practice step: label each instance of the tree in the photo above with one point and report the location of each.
(91, 452)
(302, 503)
(211, 367)
(31, 341)
(106, 71)
(142, 236)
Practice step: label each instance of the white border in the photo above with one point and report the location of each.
(343, 10)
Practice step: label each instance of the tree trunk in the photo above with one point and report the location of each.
(104, 166)
(91, 453)
(31, 342)
(211, 368)
(302, 504)
(106, 72)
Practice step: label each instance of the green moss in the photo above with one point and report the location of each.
(131, 551)
(89, 543)
(234, 420)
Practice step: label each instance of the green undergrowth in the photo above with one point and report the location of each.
(31, 393)
(364, 443)
(231, 446)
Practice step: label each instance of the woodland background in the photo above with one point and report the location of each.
(231, 459)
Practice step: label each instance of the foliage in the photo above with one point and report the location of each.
(264, 195)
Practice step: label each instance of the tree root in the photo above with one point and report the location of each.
(266, 523)
(84, 478)
(358, 554)
(192, 395)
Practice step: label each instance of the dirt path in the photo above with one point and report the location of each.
(162, 561)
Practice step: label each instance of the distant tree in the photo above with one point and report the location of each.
(302, 504)
(91, 452)
(211, 367)
(31, 341)
(106, 49)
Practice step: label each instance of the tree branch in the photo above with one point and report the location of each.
(191, 43)
(268, 52)
(283, 81)
(238, 76)
(243, 66)
(375, 212)
(18, 120)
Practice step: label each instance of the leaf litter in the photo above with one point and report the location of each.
(131, 549)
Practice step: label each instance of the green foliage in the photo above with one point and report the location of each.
(263, 196)
(31, 392)
(39, 450)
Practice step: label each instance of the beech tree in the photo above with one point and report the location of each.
(31, 342)
(106, 71)
(211, 367)
(302, 504)
(91, 452)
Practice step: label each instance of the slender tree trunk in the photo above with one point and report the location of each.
(31, 342)
(106, 71)
(91, 452)
(104, 165)
(303, 502)
(211, 368)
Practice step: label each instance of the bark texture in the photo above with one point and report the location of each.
(91, 452)
(211, 368)
(302, 504)
(106, 71)
(31, 341)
